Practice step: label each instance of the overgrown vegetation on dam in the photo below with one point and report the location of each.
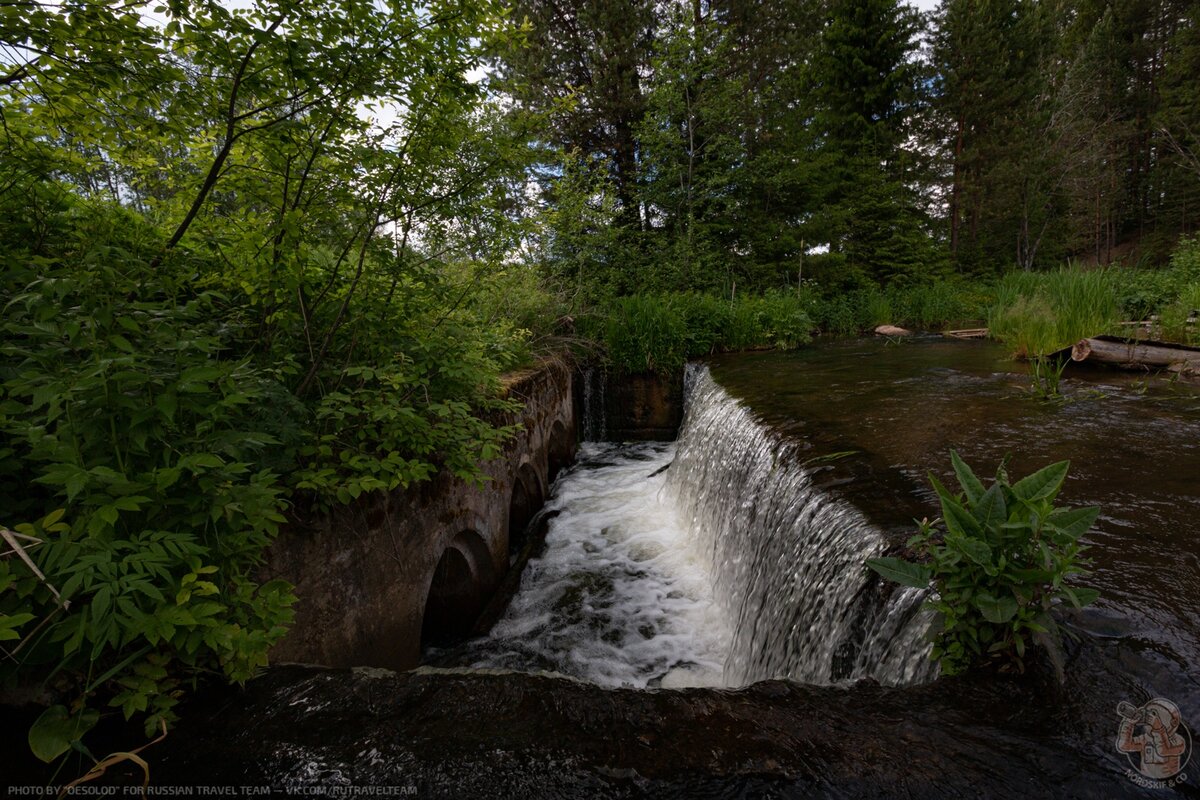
(263, 258)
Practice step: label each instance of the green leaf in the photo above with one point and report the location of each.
(70, 476)
(958, 520)
(166, 477)
(1081, 596)
(100, 600)
(971, 485)
(166, 405)
(942, 492)
(205, 374)
(975, 549)
(202, 460)
(53, 733)
(998, 610)
(1043, 484)
(990, 508)
(9, 625)
(903, 572)
(1074, 522)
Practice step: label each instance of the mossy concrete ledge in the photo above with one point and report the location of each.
(379, 578)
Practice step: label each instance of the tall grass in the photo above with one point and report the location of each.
(932, 306)
(1039, 313)
(645, 333)
(1036, 313)
(938, 305)
(658, 333)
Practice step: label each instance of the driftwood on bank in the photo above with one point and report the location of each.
(1141, 354)
(967, 333)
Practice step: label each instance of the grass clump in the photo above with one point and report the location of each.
(645, 334)
(659, 333)
(1040, 313)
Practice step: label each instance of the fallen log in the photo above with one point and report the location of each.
(892, 330)
(1137, 354)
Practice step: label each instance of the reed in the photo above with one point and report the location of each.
(645, 334)
(1040, 313)
(659, 333)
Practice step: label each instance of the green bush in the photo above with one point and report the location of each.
(210, 317)
(134, 443)
(998, 568)
(775, 319)
(509, 304)
(1185, 259)
(844, 315)
(1142, 293)
(1173, 321)
(155, 428)
(708, 320)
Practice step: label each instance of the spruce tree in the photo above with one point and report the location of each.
(866, 81)
(1178, 123)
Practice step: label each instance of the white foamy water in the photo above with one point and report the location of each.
(619, 597)
(788, 560)
(713, 561)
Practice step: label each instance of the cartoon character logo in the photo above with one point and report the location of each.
(1156, 734)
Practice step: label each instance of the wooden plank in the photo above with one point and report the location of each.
(967, 333)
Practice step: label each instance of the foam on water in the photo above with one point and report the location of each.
(618, 597)
(711, 561)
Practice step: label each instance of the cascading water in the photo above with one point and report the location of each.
(594, 427)
(711, 561)
(787, 558)
(618, 597)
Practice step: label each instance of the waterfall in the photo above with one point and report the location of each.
(786, 558)
(711, 561)
(618, 597)
(595, 406)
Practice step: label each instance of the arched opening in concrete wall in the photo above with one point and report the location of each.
(561, 450)
(463, 580)
(527, 498)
